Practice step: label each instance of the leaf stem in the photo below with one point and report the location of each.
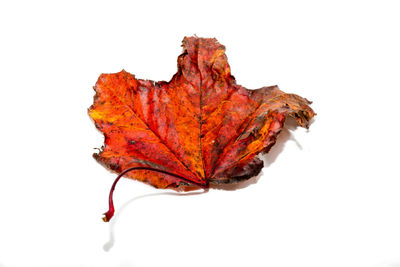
(110, 213)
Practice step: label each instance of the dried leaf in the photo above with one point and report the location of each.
(200, 126)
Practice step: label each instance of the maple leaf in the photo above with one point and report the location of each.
(199, 128)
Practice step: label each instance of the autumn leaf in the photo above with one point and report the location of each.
(200, 128)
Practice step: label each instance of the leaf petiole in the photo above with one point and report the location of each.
(110, 213)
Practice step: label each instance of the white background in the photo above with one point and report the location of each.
(327, 197)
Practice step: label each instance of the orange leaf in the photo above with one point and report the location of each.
(200, 125)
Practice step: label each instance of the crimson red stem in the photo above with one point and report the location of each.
(110, 213)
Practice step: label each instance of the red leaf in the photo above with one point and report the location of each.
(198, 128)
